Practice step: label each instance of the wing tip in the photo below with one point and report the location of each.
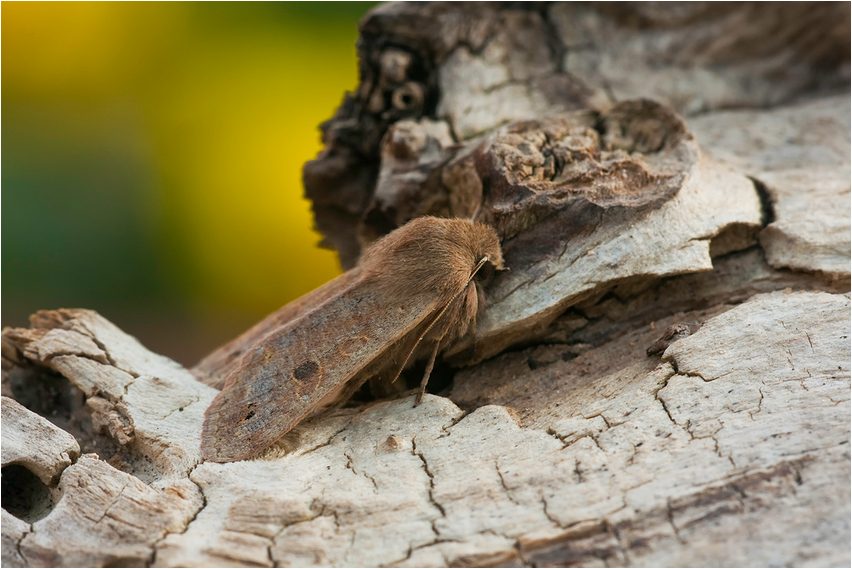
(215, 446)
(215, 451)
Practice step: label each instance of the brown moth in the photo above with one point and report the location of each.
(414, 292)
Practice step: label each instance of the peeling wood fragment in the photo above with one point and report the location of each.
(112, 418)
(33, 442)
(800, 157)
(811, 227)
(105, 517)
(480, 66)
(138, 398)
(675, 237)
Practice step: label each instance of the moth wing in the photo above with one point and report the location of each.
(292, 369)
(215, 368)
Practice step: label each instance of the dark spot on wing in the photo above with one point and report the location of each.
(307, 370)
(250, 410)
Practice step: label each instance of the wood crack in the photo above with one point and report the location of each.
(351, 467)
(156, 546)
(431, 489)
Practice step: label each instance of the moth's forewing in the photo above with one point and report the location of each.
(292, 369)
(217, 366)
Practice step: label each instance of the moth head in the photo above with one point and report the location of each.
(486, 245)
(485, 273)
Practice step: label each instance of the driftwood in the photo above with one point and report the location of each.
(669, 178)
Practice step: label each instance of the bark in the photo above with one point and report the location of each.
(664, 177)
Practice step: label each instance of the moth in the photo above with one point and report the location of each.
(414, 292)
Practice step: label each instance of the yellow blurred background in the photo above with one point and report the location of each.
(151, 160)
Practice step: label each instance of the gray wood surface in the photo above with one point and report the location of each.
(723, 206)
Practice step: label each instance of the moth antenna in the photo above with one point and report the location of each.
(476, 212)
(434, 321)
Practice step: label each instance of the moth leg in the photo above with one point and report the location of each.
(428, 372)
(449, 326)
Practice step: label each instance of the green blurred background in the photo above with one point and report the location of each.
(151, 160)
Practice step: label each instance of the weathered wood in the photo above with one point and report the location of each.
(685, 439)
(106, 518)
(34, 442)
(619, 218)
(477, 66)
(147, 403)
(143, 413)
(800, 157)
(604, 449)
